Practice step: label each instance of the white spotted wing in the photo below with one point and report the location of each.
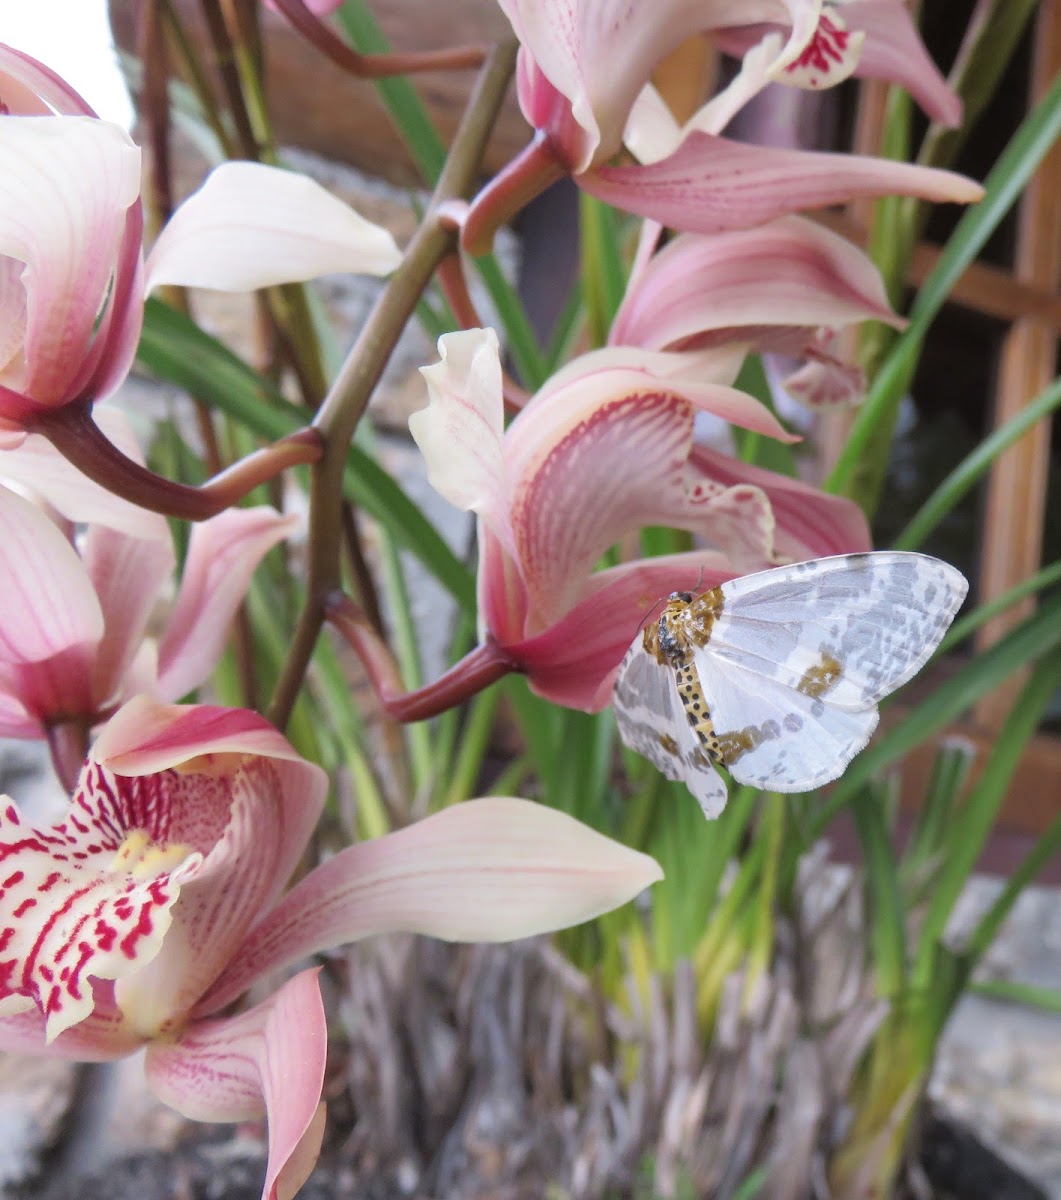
(787, 667)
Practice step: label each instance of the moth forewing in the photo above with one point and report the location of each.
(854, 627)
(652, 722)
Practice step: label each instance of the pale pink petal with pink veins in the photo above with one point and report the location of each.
(222, 555)
(486, 870)
(269, 1060)
(48, 603)
(710, 184)
(70, 248)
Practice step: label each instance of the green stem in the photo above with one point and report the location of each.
(348, 398)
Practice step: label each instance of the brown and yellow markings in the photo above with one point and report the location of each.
(738, 742)
(668, 743)
(685, 621)
(821, 678)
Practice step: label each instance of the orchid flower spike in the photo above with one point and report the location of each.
(604, 449)
(160, 898)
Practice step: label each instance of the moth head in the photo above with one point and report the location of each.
(684, 597)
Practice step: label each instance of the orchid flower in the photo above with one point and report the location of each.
(158, 900)
(72, 275)
(77, 604)
(604, 449)
(786, 286)
(585, 65)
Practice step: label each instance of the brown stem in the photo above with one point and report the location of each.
(515, 185)
(376, 66)
(364, 584)
(68, 744)
(73, 432)
(225, 58)
(154, 103)
(345, 403)
(484, 665)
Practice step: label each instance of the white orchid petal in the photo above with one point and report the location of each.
(251, 226)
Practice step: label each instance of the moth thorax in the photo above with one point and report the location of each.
(673, 648)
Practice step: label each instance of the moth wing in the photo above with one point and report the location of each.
(774, 737)
(854, 627)
(652, 721)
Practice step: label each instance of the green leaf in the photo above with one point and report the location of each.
(970, 831)
(174, 348)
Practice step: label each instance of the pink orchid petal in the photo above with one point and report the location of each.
(270, 1060)
(894, 51)
(787, 271)
(16, 721)
(245, 799)
(127, 573)
(824, 380)
(570, 502)
(29, 88)
(66, 184)
(49, 605)
(598, 54)
(251, 226)
(90, 897)
(711, 184)
(222, 556)
(39, 469)
(146, 736)
(482, 871)
(809, 522)
(500, 591)
(574, 661)
(459, 432)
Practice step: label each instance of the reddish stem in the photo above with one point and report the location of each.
(515, 185)
(68, 743)
(73, 432)
(376, 66)
(484, 665)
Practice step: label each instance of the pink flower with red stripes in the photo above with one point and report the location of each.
(160, 898)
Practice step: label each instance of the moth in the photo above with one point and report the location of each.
(776, 676)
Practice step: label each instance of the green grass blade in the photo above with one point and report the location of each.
(397, 93)
(1048, 845)
(174, 348)
(887, 913)
(968, 625)
(970, 832)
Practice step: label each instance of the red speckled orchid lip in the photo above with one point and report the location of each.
(89, 897)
